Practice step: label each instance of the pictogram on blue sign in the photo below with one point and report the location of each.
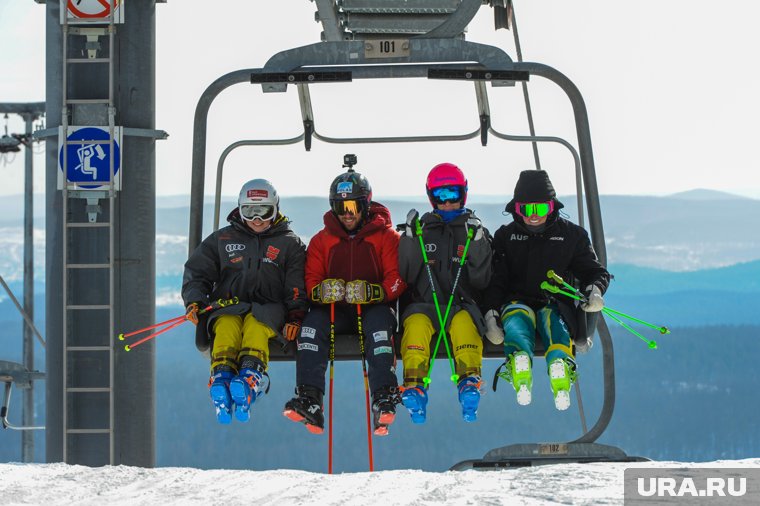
(88, 163)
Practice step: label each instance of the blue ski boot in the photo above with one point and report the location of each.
(469, 397)
(219, 389)
(245, 388)
(415, 400)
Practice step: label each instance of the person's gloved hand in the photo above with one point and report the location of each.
(494, 331)
(594, 301)
(363, 292)
(293, 325)
(329, 291)
(410, 225)
(191, 312)
(476, 226)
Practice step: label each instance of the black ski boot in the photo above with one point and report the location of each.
(384, 402)
(306, 408)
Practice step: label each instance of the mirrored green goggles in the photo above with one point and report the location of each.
(528, 209)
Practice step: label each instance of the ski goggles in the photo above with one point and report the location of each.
(446, 194)
(250, 212)
(528, 209)
(355, 207)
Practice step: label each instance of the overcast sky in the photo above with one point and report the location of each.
(671, 89)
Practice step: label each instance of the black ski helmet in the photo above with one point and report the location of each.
(350, 186)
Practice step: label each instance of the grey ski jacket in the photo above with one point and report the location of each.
(444, 244)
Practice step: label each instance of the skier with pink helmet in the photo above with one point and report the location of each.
(450, 265)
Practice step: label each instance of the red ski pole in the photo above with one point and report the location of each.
(330, 403)
(366, 384)
(167, 322)
(155, 334)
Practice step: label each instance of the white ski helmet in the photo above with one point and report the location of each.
(258, 199)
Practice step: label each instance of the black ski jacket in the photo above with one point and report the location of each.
(265, 271)
(522, 258)
(444, 244)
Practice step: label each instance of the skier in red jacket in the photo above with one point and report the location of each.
(353, 260)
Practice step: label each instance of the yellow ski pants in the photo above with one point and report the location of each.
(236, 337)
(418, 340)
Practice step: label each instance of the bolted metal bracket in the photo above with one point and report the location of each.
(93, 209)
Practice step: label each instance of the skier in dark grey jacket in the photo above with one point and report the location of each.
(259, 260)
(444, 233)
(539, 240)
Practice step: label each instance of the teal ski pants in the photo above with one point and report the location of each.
(520, 324)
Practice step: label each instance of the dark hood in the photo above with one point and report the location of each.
(379, 219)
(533, 186)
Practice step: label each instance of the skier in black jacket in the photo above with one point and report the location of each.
(260, 260)
(524, 251)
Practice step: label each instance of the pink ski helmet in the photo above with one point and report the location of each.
(446, 174)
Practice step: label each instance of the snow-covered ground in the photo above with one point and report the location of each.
(51, 484)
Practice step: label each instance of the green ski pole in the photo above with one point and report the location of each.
(545, 285)
(442, 332)
(554, 276)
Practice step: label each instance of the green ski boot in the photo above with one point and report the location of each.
(521, 376)
(561, 377)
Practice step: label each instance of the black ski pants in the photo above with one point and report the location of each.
(378, 323)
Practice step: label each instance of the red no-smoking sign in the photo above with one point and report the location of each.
(89, 9)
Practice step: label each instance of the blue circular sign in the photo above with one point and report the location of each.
(90, 162)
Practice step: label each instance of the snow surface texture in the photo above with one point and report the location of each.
(592, 484)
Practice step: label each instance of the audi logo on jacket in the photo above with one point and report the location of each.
(371, 254)
(265, 271)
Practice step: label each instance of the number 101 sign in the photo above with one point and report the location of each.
(386, 48)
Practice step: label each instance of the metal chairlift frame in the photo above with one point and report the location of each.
(434, 56)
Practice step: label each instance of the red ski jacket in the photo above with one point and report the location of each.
(371, 254)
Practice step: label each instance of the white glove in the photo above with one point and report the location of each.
(477, 226)
(412, 217)
(494, 331)
(595, 302)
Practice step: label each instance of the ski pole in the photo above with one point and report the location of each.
(159, 324)
(652, 344)
(174, 322)
(611, 313)
(554, 276)
(418, 232)
(330, 399)
(129, 347)
(442, 332)
(366, 383)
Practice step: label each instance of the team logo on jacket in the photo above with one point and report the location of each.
(272, 253)
(460, 250)
(231, 248)
(235, 260)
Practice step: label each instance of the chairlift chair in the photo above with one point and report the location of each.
(10, 373)
(353, 32)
